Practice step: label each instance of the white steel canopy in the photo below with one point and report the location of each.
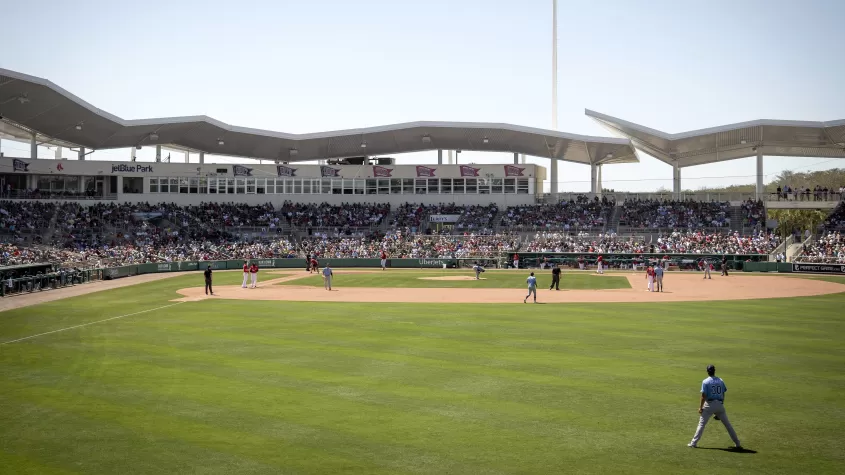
(729, 142)
(33, 105)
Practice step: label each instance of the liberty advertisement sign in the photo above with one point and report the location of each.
(282, 170)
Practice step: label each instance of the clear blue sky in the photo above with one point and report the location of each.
(309, 66)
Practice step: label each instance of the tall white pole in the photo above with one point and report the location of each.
(553, 171)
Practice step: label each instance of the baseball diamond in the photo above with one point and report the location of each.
(183, 295)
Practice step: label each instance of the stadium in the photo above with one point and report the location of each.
(136, 338)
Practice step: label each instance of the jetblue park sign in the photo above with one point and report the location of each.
(819, 268)
(124, 168)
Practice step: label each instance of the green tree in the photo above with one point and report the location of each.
(800, 219)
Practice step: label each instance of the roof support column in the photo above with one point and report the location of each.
(593, 172)
(33, 147)
(759, 173)
(522, 158)
(553, 172)
(187, 157)
(440, 157)
(676, 181)
(158, 153)
(58, 155)
(450, 157)
(598, 181)
(82, 153)
(132, 156)
(515, 158)
(202, 157)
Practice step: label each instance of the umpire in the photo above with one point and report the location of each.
(555, 277)
(207, 273)
(725, 265)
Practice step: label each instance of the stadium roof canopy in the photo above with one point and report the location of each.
(729, 142)
(29, 104)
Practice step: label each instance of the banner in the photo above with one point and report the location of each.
(425, 171)
(511, 170)
(444, 218)
(20, 165)
(467, 170)
(329, 171)
(240, 170)
(282, 170)
(819, 268)
(381, 171)
(146, 216)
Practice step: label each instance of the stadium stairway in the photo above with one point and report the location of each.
(737, 220)
(613, 221)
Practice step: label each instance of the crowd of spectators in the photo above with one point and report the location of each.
(654, 214)
(547, 241)
(573, 214)
(347, 215)
(829, 248)
(836, 219)
(817, 193)
(400, 245)
(753, 214)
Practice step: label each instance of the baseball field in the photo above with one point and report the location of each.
(423, 372)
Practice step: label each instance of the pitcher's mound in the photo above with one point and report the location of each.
(451, 277)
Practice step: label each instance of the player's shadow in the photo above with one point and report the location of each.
(731, 449)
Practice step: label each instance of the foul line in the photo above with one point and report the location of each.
(89, 323)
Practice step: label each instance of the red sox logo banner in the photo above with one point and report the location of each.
(467, 170)
(329, 171)
(282, 170)
(382, 171)
(425, 171)
(511, 170)
(240, 170)
(59, 167)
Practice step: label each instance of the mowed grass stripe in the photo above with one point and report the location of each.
(489, 280)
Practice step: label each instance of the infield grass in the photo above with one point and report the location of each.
(509, 279)
(235, 387)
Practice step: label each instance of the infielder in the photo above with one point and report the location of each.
(516, 261)
(712, 403)
(707, 269)
(246, 275)
(327, 277)
(649, 275)
(532, 288)
(383, 259)
(253, 274)
(600, 265)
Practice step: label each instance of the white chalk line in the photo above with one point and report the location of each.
(89, 323)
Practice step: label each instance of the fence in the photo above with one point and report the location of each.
(625, 260)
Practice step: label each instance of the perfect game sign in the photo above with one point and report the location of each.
(819, 268)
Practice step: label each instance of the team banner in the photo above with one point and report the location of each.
(329, 171)
(381, 171)
(511, 170)
(20, 165)
(467, 170)
(425, 171)
(282, 170)
(819, 268)
(240, 170)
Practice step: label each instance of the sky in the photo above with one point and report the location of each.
(311, 66)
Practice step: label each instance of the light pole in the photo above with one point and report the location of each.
(553, 171)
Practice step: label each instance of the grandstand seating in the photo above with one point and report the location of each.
(657, 214)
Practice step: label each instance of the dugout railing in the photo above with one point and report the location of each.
(627, 261)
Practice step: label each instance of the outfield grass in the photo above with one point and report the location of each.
(489, 280)
(279, 387)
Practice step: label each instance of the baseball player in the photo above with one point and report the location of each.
(478, 270)
(600, 265)
(246, 275)
(383, 259)
(581, 262)
(555, 277)
(308, 262)
(532, 288)
(314, 265)
(665, 263)
(207, 275)
(327, 277)
(712, 403)
(516, 261)
(706, 269)
(658, 278)
(253, 274)
(649, 275)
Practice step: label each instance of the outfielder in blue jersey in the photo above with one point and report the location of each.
(532, 288)
(712, 403)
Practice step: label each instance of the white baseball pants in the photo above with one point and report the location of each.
(254, 279)
(246, 280)
(714, 408)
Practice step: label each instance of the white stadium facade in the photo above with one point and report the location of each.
(39, 112)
